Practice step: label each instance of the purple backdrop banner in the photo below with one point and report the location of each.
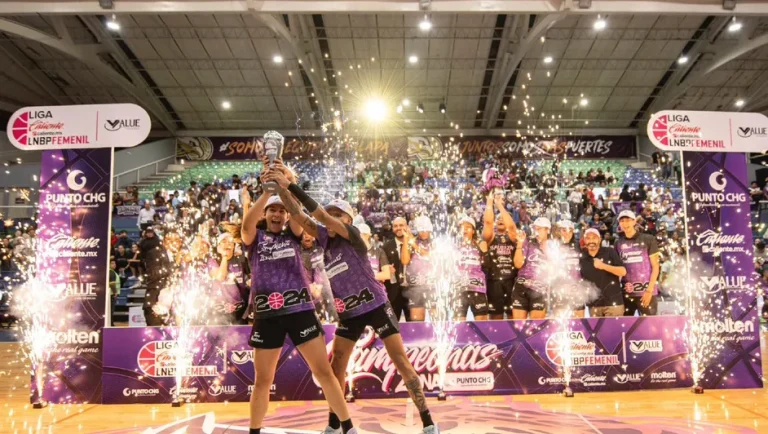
(491, 357)
(720, 246)
(75, 205)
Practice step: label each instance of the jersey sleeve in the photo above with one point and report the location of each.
(652, 245)
(356, 240)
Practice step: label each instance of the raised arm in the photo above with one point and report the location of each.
(252, 217)
(509, 222)
(488, 219)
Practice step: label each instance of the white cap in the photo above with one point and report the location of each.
(341, 205)
(591, 231)
(542, 222)
(274, 200)
(359, 219)
(627, 213)
(422, 224)
(565, 224)
(468, 220)
(363, 228)
(225, 236)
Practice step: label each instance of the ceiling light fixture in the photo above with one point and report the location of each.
(548, 59)
(277, 58)
(682, 60)
(583, 102)
(740, 103)
(735, 26)
(406, 102)
(413, 59)
(113, 24)
(420, 108)
(425, 25)
(599, 23)
(442, 108)
(226, 105)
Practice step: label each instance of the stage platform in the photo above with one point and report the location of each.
(661, 411)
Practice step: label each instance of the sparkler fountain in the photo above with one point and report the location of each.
(444, 259)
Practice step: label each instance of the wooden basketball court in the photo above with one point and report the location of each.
(673, 411)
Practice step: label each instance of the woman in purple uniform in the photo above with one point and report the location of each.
(360, 298)
(471, 291)
(228, 275)
(283, 305)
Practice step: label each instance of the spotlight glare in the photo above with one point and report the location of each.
(735, 26)
(425, 24)
(442, 108)
(413, 59)
(277, 58)
(600, 24)
(406, 102)
(682, 60)
(583, 102)
(113, 25)
(226, 105)
(420, 108)
(548, 59)
(375, 110)
(740, 103)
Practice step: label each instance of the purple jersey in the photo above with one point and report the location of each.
(279, 282)
(419, 270)
(529, 273)
(227, 293)
(472, 277)
(355, 288)
(636, 254)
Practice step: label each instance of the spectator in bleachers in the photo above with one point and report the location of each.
(114, 278)
(236, 183)
(625, 195)
(146, 216)
(135, 263)
(669, 221)
(123, 240)
(6, 255)
(640, 195)
(121, 258)
(159, 270)
(756, 194)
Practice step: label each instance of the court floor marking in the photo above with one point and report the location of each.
(594, 428)
(740, 407)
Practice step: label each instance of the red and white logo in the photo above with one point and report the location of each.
(158, 359)
(275, 300)
(572, 348)
(339, 305)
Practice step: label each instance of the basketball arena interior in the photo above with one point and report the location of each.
(390, 217)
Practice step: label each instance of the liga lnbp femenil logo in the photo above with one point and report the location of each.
(677, 130)
(161, 358)
(562, 346)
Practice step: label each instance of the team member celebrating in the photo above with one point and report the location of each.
(472, 291)
(379, 262)
(282, 305)
(361, 300)
(568, 293)
(640, 254)
(396, 286)
(418, 269)
(602, 267)
(500, 239)
(530, 288)
(229, 283)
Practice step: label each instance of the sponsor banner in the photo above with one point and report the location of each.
(498, 357)
(73, 245)
(411, 148)
(699, 131)
(720, 244)
(78, 127)
(127, 210)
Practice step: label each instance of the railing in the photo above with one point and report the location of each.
(138, 171)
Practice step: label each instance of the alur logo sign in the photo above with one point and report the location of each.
(78, 127)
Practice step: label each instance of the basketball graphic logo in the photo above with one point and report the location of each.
(19, 128)
(146, 359)
(660, 130)
(339, 305)
(555, 348)
(275, 300)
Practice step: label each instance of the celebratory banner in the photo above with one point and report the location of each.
(78, 127)
(720, 250)
(72, 252)
(488, 358)
(412, 148)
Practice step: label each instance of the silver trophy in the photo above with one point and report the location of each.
(273, 149)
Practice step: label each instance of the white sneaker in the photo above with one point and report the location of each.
(432, 429)
(329, 430)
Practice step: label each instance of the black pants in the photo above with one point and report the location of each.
(633, 304)
(398, 301)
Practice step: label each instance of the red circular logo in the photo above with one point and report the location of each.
(339, 305)
(554, 347)
(275, 300)
(146, 359)
(660, 130)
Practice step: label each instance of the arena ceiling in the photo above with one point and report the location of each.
(489, 66)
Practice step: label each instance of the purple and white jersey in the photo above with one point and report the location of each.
(378, 259)
(314, 262)
(419, 270)
(471, 273)
(534, 259)
(279, 282)
(636, 254)
(227, 293)
(355, 288)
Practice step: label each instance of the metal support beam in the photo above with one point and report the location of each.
(522, 49)
(61, 29)
(282, 31)
(75, 7)
(20, 66)
(720, 59)
(91, 59)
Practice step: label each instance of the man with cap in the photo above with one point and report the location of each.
(640, 254)
(602, 267)
(471, 291)
(360, 298)
(530, 293)
(282, 304)
(396, 285)
(567, 292)
(500, 238)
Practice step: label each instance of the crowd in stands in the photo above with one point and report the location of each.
(381, 192)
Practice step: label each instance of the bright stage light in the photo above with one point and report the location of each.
(425, 24)
(599, 24)
(413, 59)
(375, 110)
(113, 25)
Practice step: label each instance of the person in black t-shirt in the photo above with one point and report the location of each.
(602, 266)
